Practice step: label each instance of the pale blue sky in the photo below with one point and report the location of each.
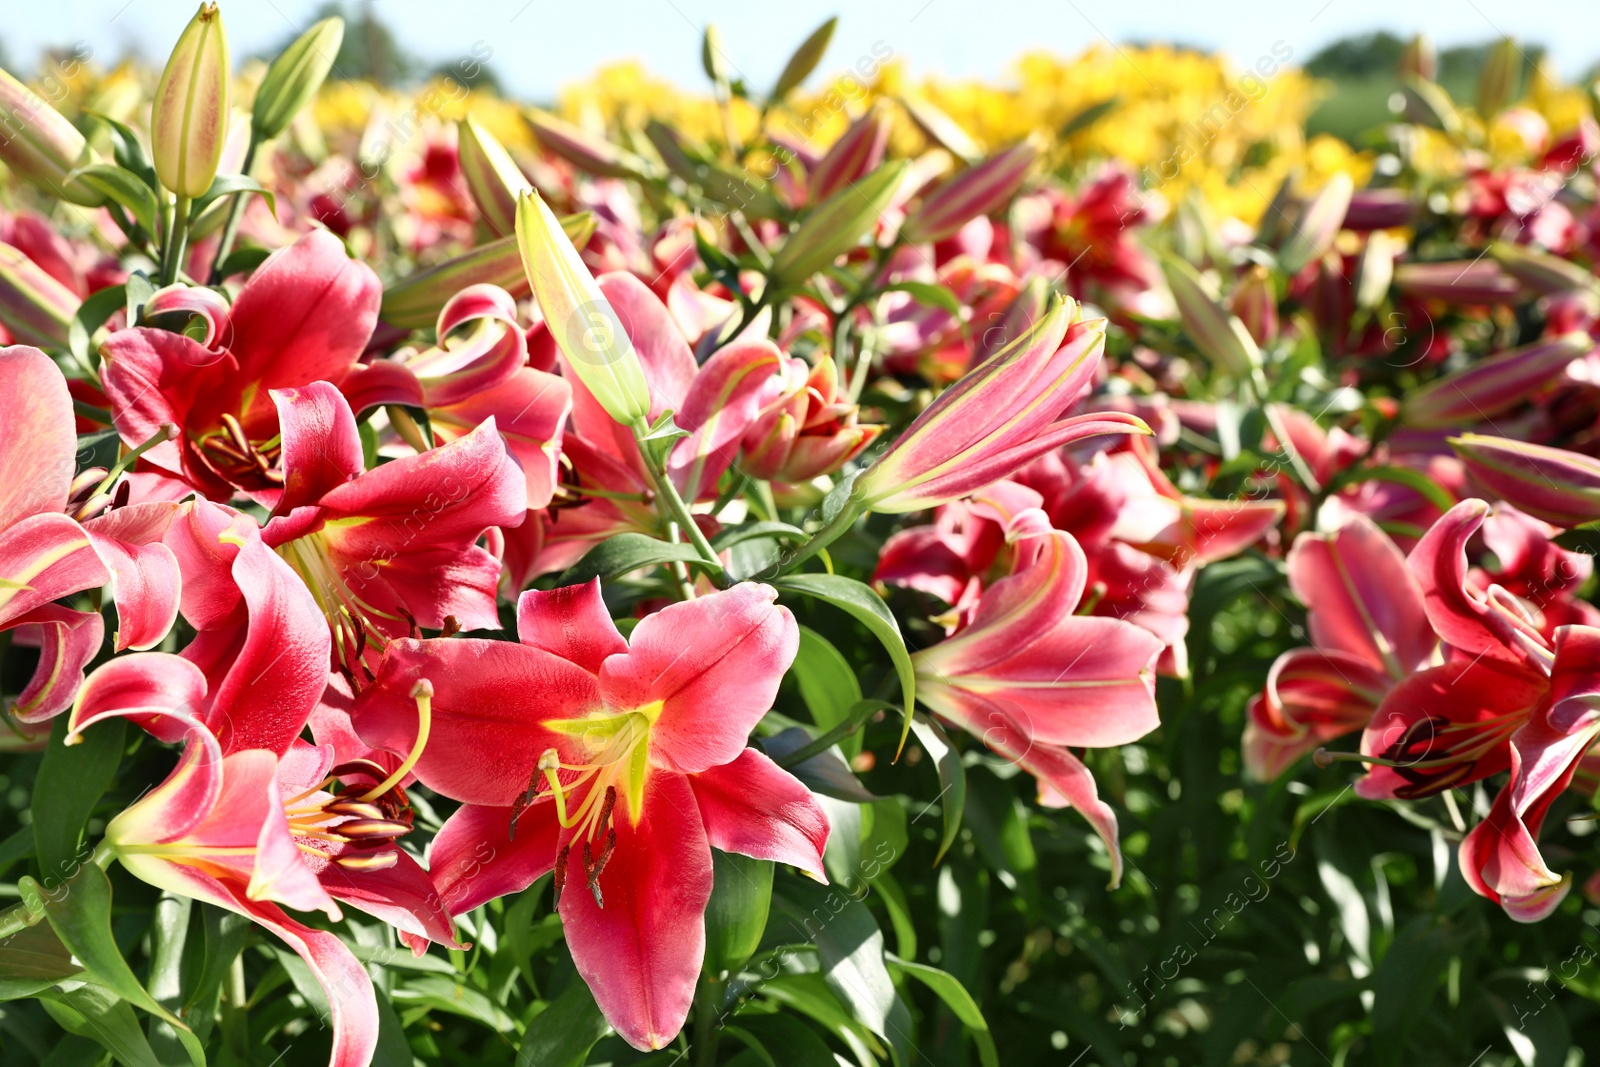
(541, 44)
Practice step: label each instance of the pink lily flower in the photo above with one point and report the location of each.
(806, 428)
(389, 550)
(617, 764)
(1030, 677)
(255, 831)
(1369, 632)
(44, 555)
(483, 375)
(1521, 703)
(304, 316)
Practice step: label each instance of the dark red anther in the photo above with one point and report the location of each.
(606, 806)
(452, 626)
(561, 874)
(591, 874)
(523, 800)
(119, 497)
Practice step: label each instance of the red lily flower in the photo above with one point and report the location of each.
(394, 548)
(44, 555)
(630, 756)
(1030, 677)
(1369, 633)
(1521, 703)
(304, 316)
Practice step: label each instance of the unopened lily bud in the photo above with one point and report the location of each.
(941, 129)
(1494, 386)
(590, 154)
(1419, 59)
(414, 302)
(1313, 233)
(34, 306)
(1549, 483)
(836, 226)
(1463, 281)
(1378, 209)
(41, 146)
(804, 60)
(1540, 271)
(1255, 301)
(1219, 336)
(1426, 104)
(858, 152)
(964, 196)
(189, 119)
(294, 77)
(584, 324)
(1501, 71)
(493, 177)
(1375, 269)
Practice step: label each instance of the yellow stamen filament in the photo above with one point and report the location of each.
(422, 693)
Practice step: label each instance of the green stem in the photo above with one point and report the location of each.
(16, 919)
(865, 710)
(667, 493)
(177, 241)
(230, 229)
(836, 528)
(707, 1013)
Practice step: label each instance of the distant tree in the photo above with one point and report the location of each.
(1358, 57)
(370, 50)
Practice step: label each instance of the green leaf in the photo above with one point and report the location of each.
(624, 552)
(128, 151)
(899, 909)
(957, 999)
(736, 915)
(929, 294)
(850, 952)
(810, 995)
(1431, 490)
(827, 685)
(91, 315)
(79, 911)
(858, 599)
(1405, 983)
(71, 782)
(124, 187)
(952, 798)
(795, 1043)
(97, 1014)
(32, 960)
(1088, 116)
(563, 1034)
(228, 184)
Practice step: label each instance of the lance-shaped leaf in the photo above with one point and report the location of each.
(1312, 234)
(1553, 484)
(976, 191)
(584, 324)
(294, 77)
(836, 226)
(1219, 336)
(1494, 386)
(189, 118)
